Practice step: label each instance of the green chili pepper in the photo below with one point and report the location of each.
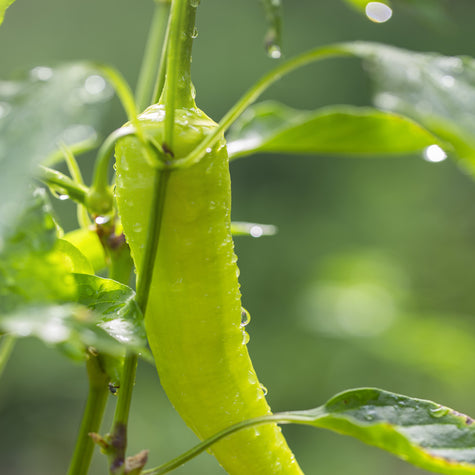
(193, 316)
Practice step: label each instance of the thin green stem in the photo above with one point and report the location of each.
(76, 175)
(153, 236)
(63, 184)
(177, 91)
(253, 94)
(7, 343)
(100, 195)
(152, 58)
(100, 179)
(279, 418)
(71, 163)
(118, 436)
(162, 68)
(92, 418)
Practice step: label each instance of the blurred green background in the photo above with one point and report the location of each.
(368, 283)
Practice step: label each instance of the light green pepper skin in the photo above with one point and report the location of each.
(193, 316)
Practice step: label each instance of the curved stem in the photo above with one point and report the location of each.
(279, 418)
(253, 94)
(71, 163)
(152, 59)
(92, 418)
(55, 179)
(100, 178)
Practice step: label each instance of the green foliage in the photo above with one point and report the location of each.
(42, 297)
(48, 286)
(32, 272)
(273, 127)
(118, 312)
(421, 432)
(46, 108)
(437, 91)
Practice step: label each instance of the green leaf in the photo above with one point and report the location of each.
(104, 316)
(117, 310)
(77, 261)
(88, 243)
(421, 432)
(436, 91)
(40, 296)
(71, 328)
(32, 272)
(38, 112)
(273, 127)
(4, 4)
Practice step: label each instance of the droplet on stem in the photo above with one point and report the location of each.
(274, 51)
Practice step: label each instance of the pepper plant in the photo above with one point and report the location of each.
(166, 213)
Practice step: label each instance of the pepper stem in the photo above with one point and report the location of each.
(178, 89)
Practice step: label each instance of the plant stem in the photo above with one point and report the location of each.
(253, 94)
(152, 59)
(101, 166)
(279, 418)
(160, 80)
(76, 175)
(6, 347)
(92, 418)
(178, 90)
(55, 179)
(153, 237)
(118, 434)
